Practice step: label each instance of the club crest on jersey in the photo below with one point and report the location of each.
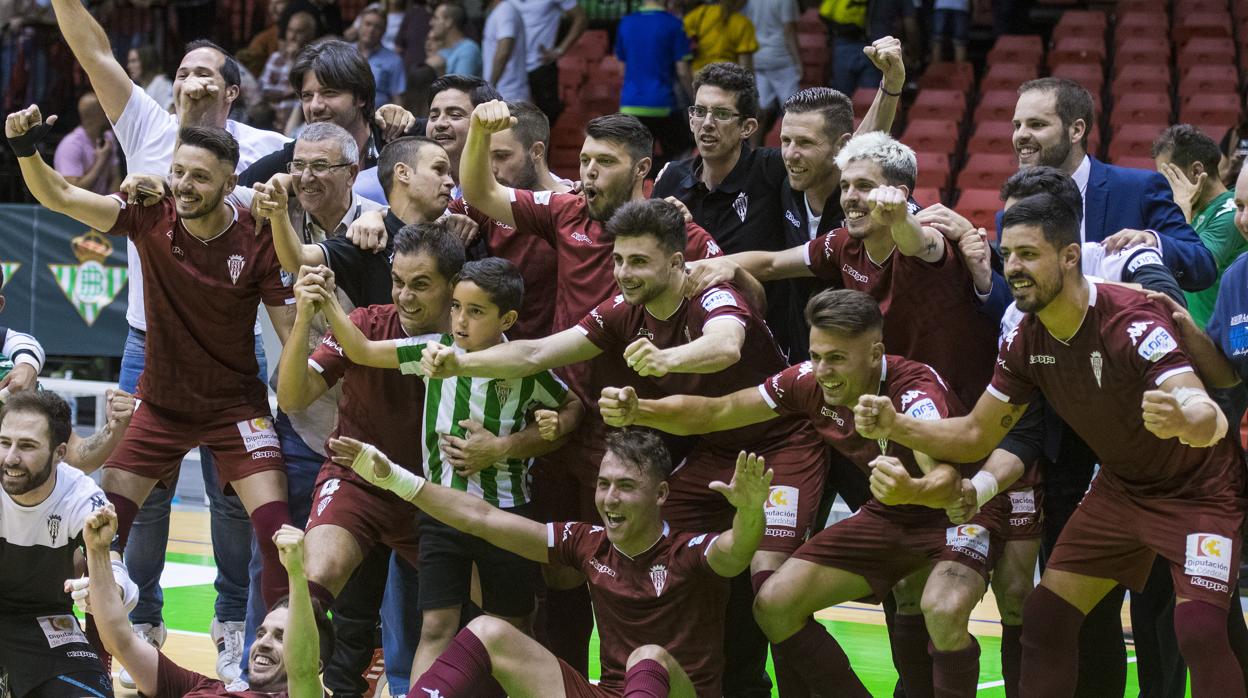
(1136, 330)
(1097, 363)
(234, 263)
(741, 205)
(54, 527)
(658, 577)
(502, 390)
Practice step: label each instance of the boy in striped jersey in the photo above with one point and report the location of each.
(485, 303)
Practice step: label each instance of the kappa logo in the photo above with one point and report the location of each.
(832, 415)
(235, 263)
(582, 237)
(54, 527)
(805, 369)
(855, 274)
(1136, 330)
(643, 332)
(330, 487)
(712, 250)
(658, 577)
(322, 503)
(909, 397)
(695, 541)
(602, 569)
(741, 205)
(617, 301)
(792, 219)
(1045, 359)
(434, 693)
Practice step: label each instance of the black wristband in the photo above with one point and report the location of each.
(890, 94)
(27, 144)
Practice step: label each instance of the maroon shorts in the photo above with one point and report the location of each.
(158, 439)
(1026, 513)
(886, 549)
(369, 514)
(1115, 536)
(801, 467)
(577, 686)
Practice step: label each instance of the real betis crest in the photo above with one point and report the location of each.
(90, 286)
(8, 269)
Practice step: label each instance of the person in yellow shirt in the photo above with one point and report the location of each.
(719, 32)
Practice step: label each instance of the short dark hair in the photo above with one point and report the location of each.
(836, 108)
(1042, 179)
(532, 125)
(231, 73)
(499, 278)
(149, 59)
(435, 240)
(642, 449)
(844, 311)
(458, 15)
(324, 627)
(478, 90)
(53, 408)
(406, 150)
(215, 140)
(1185, 144)
(650, 217)
(731, 77)
(300, 8)
(1054, 217)
(624, 129)
(338, 65)
(1073, 102)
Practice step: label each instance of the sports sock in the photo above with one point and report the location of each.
(909, 640)
(266, 520)
(646, 679)
(126, 511)
(820, 661)
(1237, 633)
(462, 670)
(1102, 650)
(955, 674)
(1011, 657)
(788, 681)
(1201, 630)
(1050, 645)
(569, 623)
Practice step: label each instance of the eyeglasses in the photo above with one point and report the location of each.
(320, 168)
(717, 113)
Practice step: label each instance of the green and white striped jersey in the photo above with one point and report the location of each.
(502, 405)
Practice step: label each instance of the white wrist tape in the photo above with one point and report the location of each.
(986, 485)
(400, 481)
(1187, 395)
(129, 590)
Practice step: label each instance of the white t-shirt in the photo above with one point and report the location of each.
(769, 18)
(147, 134)
(505, 22)
(541, 26)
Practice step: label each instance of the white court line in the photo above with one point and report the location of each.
(995, 684)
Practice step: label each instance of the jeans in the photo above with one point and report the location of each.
(145, 550)
(851, 68)
(400, 624)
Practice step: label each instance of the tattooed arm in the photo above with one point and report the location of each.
(89, 453)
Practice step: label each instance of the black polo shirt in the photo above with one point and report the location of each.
(364, 276)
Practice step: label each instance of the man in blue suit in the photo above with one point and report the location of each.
(1122, 207)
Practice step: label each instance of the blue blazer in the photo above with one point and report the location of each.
(1125, 197)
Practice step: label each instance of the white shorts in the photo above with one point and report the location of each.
(777, 84)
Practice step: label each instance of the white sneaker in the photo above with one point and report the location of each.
(228, 637)
(153, 635)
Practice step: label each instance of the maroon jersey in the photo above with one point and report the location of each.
(931, 313)
(378, 406)
(667, 596)
(1095, 381)
(535, 259)
(615, 324)
(201, 298)
(583, 248)
(172, 681)
(915, 389)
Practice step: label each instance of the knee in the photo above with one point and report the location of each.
(654, 653)
(771, 612)
(1200, 629)
(946, 616)
(439, 625)
(1010, 596)
(493, 632)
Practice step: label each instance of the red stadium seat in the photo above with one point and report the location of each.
(1134, 140)
(1008, 76)
(1209, 111)
(939, 104)
(996, 106)
(934, 170)
(1090, 75)
(1014, 48)
(1094, 18)
(1141, 78)
(1140, 21)
(1135, 5)
(1140, 50)
(1141, 108)
(927, 196)
(980, 207)
(987, 170)
(931, 136)
(1081, 29)
(863, 97)
(1077, 50)
(1200, 24)
(948, 76)
(992, 137)
(593, 44)
(1202, 51)
(1137, 163)
(1209, 79)
(1195, 6)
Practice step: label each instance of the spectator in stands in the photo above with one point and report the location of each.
(143, 66)
(1188, 159)
(87, 156)
(328, 14)
(652, 45)
(719, 32)
(448, 50)
(1234, 147)
(951, 19)
(778, 62)
(543, 50)
(299, 29)
(265, 43)
(410, 44)
(853, 26)
(1052, 119)
(386, 65)
(504, 48)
